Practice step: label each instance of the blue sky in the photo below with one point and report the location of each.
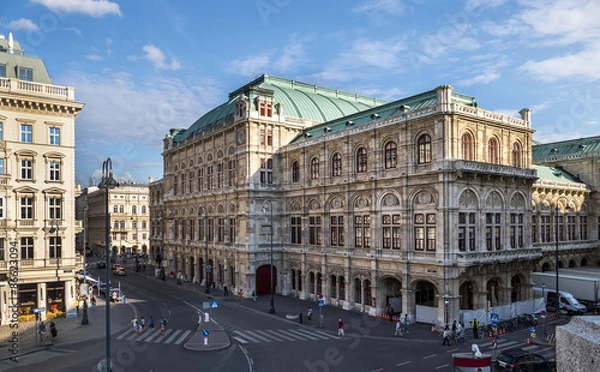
(143, 67)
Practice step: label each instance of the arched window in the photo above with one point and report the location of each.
(493, 151)
(295, 171)
(466, 146)
(122, 224)
(115, 209)
(516, 154)
(134, 209)
(391, 155)
(314, 168)
(361, 160)
(424, 155)
(143, 209)
(121, 209)
(116, 225)
(336, 165)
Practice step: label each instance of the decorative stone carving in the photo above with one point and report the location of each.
(314, 205)
(493, 200)
(517, 202)
(467, 199)
(362, 202)
(424, 197)
(390, 200)
(336, 203)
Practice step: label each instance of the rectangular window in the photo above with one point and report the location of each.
(583, 233)
(269, 137)
(2, 257)
(2, 70)
(190, 181)
(2, 207)
(2, 166)
(25, 73)
(296, 233)
(26, 133)
(315, 228)
(220, 175)
(201, 230)
(337, 231)
(209, 177)
(26, 169)
(175, 184)
(390, 231)
(26, 207)
(561, 228)
(545, 228)
(1, 131)
(362, 231)
(266, 171)
(466, 231)
(55, 247)
(231, 172)
(183, 183)
(211, 230)
(220, 229)
(54, 136)
(425, 232)
(534, 229)
(261, 137)
(27, 248)
(516, 230)
(232, 235)
(493, 231)
(54, 167)
(54, 208)
(200, 179)
(571, 224)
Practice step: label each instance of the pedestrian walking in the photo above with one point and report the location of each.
(398, 329)
(446, 336)
(340, 327)
(240, 295)
(254, 297)
(77, 305)
(406, 322)
(142, 324)
(151, 322)
(134, 324)
(93, 302)
(163, 325)
(309, 314)
(454, 329)
(42, 331)
(225, 291)
(460, 329)
(475, 326)
(53, 332)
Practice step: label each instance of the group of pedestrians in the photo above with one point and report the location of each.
(139, 325)
(49, 337)
(402, 325)
(457, 333)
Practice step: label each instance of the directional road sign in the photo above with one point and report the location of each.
(214, 304)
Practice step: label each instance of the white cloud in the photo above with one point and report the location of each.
(274, 62)
(94, 8)
(482, 78)
(478, 5)
(158, 58)
(22, 24)
(94, 57)
(377, 8)
(251, 66)
(578, 65)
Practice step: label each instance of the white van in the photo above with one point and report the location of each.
(565, 302)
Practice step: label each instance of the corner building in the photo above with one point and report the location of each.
(423, 203)
(37, 193)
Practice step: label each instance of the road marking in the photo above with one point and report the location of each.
(429, 356)
(144, 334)
(281, 334)
(296, 331)
(314, 334)
(328, 335)
(297, 337)
(276, 338)
(452, 350)
(132, 336)
(173, 335)
(240, 340)
(124, 334)
(149, 339)
(247, 336)
(163, 336)
(442, 366)
(404, 363)
(185, 334)
(263, 338)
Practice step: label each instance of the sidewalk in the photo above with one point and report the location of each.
(72, 331)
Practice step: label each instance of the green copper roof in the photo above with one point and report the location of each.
(555, 174)
(563, 148)
(299, 100)
(417, 102)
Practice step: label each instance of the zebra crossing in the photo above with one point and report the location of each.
(281, 335)
(171, 336)
(503, 345)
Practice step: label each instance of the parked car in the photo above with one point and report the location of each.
(101, 265)
(119, 270)
(519, 360)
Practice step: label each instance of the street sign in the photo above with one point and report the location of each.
(205, 332)
(208, 268)
(494, 317)
(39, 310)
(206, 305)
(214, 304)
(543, 313)
(321, 302)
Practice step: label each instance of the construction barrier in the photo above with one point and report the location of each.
(551, 339)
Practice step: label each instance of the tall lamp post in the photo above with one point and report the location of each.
(272, 308)
(108, 182)
(203, 212)
(84, 319)
(556, 256)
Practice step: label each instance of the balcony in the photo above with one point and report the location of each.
(466, 166)
(38, 89)
(500, 256)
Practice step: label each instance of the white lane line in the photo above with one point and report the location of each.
(185, 334)
(257, 335)
(404, 363)
(429, 356)
(297, 337)
(314, 334)
(443, 366)
(281, 334)
(143, 336)
(149, 339)
(124, 334)
(247, 336)
(173, 335)
(269, 335)
(305, 335)
(329, 335)
(132, 336)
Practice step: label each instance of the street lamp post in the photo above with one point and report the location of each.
(544, 299)
(556, 256)
(108, 182)
(206, 266)
(84, 319)
(272, 303)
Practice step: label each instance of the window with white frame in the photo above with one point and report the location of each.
(54, 133)
(54, 170)
(266, 171)
(55, 247)
(25, 73)
(26, 208)
(26, 169)
(2, 170)
(1, 131)
(425, 232)
(2, 70)
(314, 168)
(55, 208)
(26, 133)
(27, 248)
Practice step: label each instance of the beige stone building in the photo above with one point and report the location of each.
(37, 170)
(430, 203)
(129, 216)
